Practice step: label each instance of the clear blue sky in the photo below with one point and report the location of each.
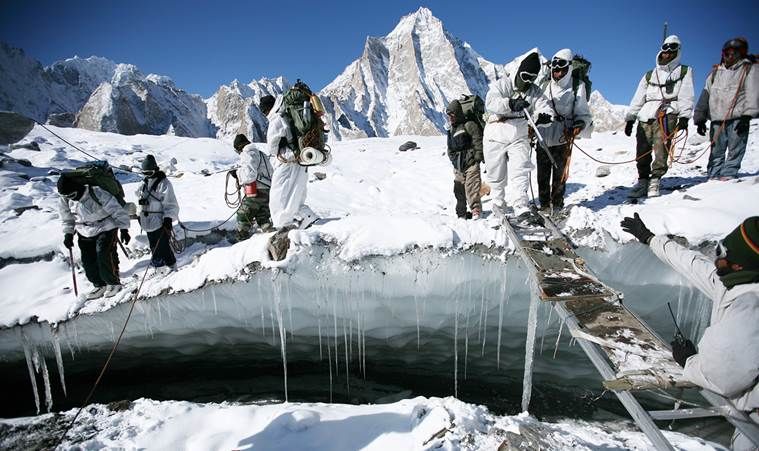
(204, 44)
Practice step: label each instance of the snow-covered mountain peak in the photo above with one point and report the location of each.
(161, 80)
(420, 21)
(125, 74)
(606, 115)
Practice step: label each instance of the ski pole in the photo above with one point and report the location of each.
(73, 273)
(541, 142)
(123, 249)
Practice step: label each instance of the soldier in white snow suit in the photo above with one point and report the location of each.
(158, 208)
(95, 215)
(505, 138)
(730, 99)
(662, 105)
(254, 175)
(289, 182)
(727, 359)
(571, 115)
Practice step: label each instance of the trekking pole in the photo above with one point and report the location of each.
(73, 272)
(541, 143)
(664, 36)
(123, 249)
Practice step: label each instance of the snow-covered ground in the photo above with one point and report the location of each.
(411, 424)
(375, 201)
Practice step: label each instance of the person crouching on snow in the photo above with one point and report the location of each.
(727, 359)
(465, 153)
(289, 182)
(506, 140)
(96, 216)
(254, 175)
(158, 209)
(662, 105)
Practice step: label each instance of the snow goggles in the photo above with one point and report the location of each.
(721, 250)
(558, 63)
(527, 77)
(670, 47)
(734, 44)
(70, 195)
(148, 173)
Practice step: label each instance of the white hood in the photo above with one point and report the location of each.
(672, 39)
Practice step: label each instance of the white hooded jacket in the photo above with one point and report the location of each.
(565, 104)
(727, 362)
(161, 203)
(254, 167)
(279, 128)
(650, 95)
(89, 217)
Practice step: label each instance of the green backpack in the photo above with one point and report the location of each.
(474, 109)
(100, 174)
(580, 71)
(307, 126)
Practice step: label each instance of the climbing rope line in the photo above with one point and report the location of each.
(113, 351)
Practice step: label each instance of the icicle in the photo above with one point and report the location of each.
(500, 325)
(334, 318)
(215, 307)
(59, 361)
(456, 349)
(418, 334)
(281, 327)
(466, 342)
(347, 367)
(532, 326)
(46, 381)
(546, 325)
(329, 357)
(558, 337)
(290, 306)
(263, 321)
(484, 323)
(28, 355)
(350, 339)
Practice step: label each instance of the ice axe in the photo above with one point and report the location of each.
(541, 142)
(73, 272)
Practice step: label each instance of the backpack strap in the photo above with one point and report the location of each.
(683, 71)
(92, 194)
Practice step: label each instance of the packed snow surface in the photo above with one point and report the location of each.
(374, 200)
(419, 423)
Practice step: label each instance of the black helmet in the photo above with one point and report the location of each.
(149, 166)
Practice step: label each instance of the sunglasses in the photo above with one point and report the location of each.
(558, 63)
(527, 77)
(721, 250)
(670, 47)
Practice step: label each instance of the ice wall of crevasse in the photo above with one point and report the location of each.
(462, 315)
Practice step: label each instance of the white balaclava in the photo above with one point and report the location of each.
(568, 55)
(671, 39)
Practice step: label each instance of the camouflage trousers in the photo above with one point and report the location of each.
(254, 210)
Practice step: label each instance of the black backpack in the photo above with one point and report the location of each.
(100, 174)
(474, 109)
(580, 71)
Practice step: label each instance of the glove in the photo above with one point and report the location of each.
(635, 227)
(167, 223)
(682, 349)
(682, 123)
(743, 123)
(68, 240)
(701, 128)
(518, 104)
(629, 127)
(577, 126)
(543, 118)
(233, 173)
(125, 236)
